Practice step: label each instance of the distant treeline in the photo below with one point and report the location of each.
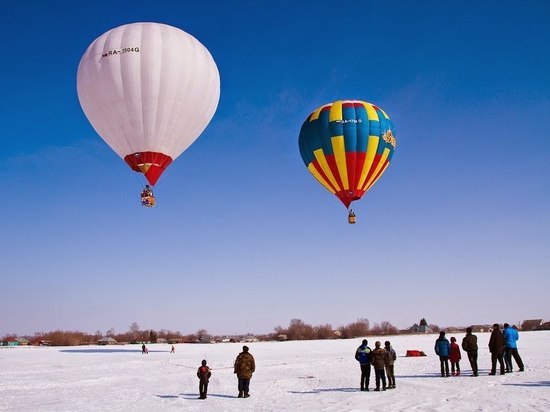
(296, 330)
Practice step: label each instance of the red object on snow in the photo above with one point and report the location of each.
(415, 353)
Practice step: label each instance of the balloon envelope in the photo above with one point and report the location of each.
(149, 90)
(347, 145)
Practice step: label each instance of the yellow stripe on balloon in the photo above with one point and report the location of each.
(372, 147)
(378, 167)
(371, 112)
(339, 149)
(320, 156)
(313, 170)
(336, 111)
(379, 176)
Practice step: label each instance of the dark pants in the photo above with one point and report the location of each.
(391, 376)
(203, 388)
(455, 366)
(365, 376)
(244, 385)
(513, 352)
(472, 357)
(444, 361)
(379, 373)
(494, 358)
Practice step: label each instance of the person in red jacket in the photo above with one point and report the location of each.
(454, 357)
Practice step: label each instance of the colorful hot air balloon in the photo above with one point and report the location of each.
(347, 145)
(149, 90)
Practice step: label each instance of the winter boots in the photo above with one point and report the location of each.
(243, 394)
(240, 394)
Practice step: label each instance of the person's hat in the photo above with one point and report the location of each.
(365, 342)
(245, 348)
(506, 325)
(496, 325)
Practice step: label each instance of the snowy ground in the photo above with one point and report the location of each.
(290, 376)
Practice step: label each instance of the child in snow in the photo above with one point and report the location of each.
(455, 357)
(203, 373)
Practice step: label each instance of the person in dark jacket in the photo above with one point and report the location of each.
(203, 373)
(244, 368)
(496, 347)
(469, 345)
(443, 349)
(510, 344)
(454, 357)
(378, 361)
(390, 360)
(363, 356)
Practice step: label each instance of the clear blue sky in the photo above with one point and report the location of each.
(243, 239)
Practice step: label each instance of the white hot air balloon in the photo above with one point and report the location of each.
(149, 90)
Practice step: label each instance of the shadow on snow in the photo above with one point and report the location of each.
(107, 351)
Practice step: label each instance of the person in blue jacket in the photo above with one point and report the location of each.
(443, 349)
(363, 355)
(510, 344)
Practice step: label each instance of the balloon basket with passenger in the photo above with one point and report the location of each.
(351, 217)
(147, 197)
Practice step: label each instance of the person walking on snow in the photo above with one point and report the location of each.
(454, 357)
(390, 360)
(363, 356)
(469, 345)
(442, 349)
(203, 373)
(244, 368)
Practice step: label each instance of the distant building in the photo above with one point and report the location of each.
(107, 341)
(422, 328)
(162, 340)
(531, 324)
(481, 328)
(10, 342)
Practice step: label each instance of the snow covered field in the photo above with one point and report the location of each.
(290, 376)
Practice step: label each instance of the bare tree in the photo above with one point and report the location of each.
(134, 330)
(386, 328)
(298, 330)
(324, 331)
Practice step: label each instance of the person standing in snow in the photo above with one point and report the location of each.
(244, 368)
(510, 343)
(496, 347)
(378, 360)
(469, 345)
(203, 373)
(390, 360)
(363, 356)
(454, 357)
(442, 349)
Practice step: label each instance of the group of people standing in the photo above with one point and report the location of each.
(244, 367)
(502, 346)
(381, 359)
